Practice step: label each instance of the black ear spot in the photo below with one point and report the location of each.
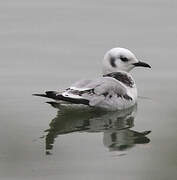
(124, 59)
(113, 61)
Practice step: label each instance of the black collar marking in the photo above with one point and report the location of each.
(124, 78)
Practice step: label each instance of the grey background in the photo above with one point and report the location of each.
(46, 45)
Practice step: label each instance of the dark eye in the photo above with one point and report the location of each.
(124, 59)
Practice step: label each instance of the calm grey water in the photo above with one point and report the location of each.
(46, 45)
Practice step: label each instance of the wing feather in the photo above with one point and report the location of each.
(95, 91)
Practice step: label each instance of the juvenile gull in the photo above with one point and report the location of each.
(115, 90)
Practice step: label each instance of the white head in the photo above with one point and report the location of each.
(120, 59)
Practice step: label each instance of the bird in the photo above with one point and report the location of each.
(114, 90)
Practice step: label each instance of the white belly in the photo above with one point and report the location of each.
(116, 103)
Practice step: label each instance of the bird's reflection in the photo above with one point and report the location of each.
(116, 127)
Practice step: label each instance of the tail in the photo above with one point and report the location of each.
(56, 96)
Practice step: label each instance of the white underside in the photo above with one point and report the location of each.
(115, 103)
(111, 104)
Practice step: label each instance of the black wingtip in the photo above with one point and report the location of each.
(48, 94)
(41, 95)
(54, 95)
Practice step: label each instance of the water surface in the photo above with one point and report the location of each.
(46, 45)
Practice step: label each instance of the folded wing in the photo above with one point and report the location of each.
(95, 91)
